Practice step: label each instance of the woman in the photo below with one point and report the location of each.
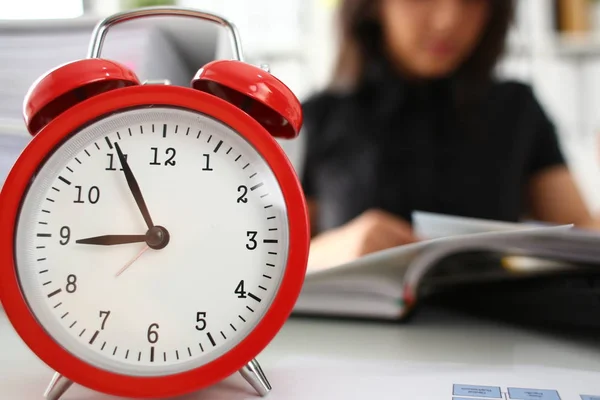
(415, 121)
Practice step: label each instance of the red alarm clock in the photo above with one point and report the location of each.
(153, 238)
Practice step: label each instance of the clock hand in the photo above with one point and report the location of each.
(110, 240)
(134, 187)
(146, 247)
(156, 238)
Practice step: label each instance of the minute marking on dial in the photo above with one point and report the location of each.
(212, 341)
(218, 146)
(65, 180)
(254, 297)
(94, 336)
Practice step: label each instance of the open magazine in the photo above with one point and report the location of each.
(455, 250)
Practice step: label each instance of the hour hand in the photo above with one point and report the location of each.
(110, 240)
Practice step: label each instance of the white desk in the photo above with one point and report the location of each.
(351, 354)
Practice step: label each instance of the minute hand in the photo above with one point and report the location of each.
(110, 240)
(134, 187)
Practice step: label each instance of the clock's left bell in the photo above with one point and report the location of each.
(70, 84)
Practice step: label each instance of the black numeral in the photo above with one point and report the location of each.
(104, 315)
(242, 199)
(251, 239)
(152, 333)
(170, 153)
(111, 159)
(65, 234)
(239, 290)
(201, 321)
(71, 284)
(207, 166)
(93, 195)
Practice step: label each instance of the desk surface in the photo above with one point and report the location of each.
(431, 337)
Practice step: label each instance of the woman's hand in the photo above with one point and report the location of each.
(371, 231)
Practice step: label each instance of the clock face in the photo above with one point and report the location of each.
(173, 297)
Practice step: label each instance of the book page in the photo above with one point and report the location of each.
(429, 225)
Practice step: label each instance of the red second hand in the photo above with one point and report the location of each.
(132, 260)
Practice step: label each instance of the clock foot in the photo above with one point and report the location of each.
(57, 387)
(254, 375)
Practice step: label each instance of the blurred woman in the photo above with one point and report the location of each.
(414, 119)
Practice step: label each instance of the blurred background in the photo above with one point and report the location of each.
(554, 46)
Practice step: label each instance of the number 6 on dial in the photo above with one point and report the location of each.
(136, 205)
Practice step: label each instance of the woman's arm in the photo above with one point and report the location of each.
(369, 232)
(554, 197)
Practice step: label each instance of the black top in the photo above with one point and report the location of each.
(399, 147)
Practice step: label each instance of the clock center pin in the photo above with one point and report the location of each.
(157, 237)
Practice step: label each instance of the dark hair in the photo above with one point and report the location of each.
(361, 42)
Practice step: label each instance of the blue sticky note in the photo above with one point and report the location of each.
(477, 391)
(533, 394)
(589, 397)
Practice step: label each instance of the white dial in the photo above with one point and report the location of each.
(172, 306)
